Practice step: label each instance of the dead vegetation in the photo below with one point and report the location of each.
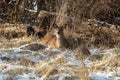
(90, 24)
(8, 31)
(25, 62)
(112, 62)
(105, 62)
(72, 13)
(58, 66)
(15, 71)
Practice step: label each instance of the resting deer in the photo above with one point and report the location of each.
(57, 39)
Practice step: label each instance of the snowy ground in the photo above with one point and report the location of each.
(107, 68)
(52, 64)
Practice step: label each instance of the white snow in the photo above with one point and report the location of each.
(94, 51)
(3, 76)
(104, 76)
(9, 59)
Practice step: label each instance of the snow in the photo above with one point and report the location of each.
(62, 76)
(104, 76)
(94, 51)
(9, 59)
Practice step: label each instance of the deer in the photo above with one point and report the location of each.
(57, 39)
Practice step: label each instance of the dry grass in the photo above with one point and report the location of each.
(16, 71)
(106, 63)
(47, 68)
(92, 35)
(17, 42)
(73, 13)
(9, 31)
(26, 62)
(112, 61)
(104, 36)
(12, 73)
(59, 66)
(80, 37)
(83, 73)
(96, 36)
(82, 53)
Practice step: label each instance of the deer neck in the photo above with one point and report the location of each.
(59, 35)
(59, 40)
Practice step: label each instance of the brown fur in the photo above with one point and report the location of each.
(52, 41)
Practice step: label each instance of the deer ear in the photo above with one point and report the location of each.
(55, 25)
